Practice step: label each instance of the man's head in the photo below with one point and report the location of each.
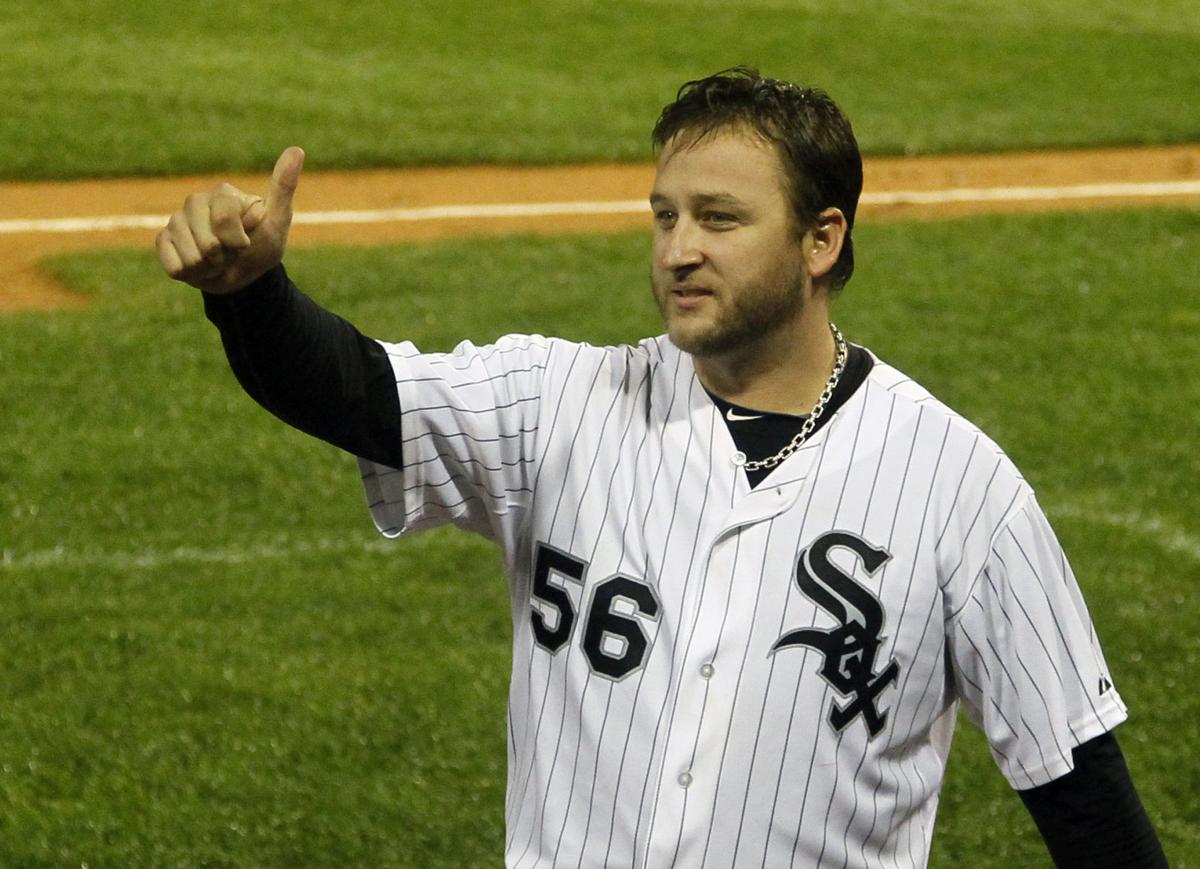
(751, 218)
(812, 138)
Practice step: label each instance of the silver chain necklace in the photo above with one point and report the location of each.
(813, 415)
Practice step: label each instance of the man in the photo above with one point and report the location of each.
(754, 569)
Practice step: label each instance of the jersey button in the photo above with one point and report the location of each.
(685, 779)
(738, 458)
(706, 671)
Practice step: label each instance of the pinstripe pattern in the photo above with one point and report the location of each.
(717, 749)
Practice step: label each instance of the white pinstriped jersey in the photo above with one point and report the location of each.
(706, 675)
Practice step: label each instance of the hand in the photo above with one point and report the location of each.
(222, 240)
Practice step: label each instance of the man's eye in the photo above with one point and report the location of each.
(665, 215)
(719, 217)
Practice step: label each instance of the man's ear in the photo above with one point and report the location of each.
(823, 242)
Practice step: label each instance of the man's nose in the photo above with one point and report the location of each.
(682, 247)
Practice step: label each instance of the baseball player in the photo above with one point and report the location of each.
(754, 569)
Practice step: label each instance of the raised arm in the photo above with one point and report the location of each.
(306, 365)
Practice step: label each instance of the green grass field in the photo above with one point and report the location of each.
(108, 87)
(212, 660)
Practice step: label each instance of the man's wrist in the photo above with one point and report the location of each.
(253, 306)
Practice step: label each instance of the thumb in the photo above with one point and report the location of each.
(284, 181)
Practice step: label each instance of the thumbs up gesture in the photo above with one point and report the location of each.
(223, 239)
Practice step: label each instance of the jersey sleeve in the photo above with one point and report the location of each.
(1026, 659)
(468, 427)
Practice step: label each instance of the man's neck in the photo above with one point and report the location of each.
(784, 372)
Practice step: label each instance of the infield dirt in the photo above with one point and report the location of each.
(25, 286)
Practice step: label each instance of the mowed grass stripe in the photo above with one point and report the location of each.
(547, 81)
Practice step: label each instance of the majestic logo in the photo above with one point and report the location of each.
(849, 649)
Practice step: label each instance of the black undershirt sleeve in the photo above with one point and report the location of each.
(1092, 816)
(309, 367)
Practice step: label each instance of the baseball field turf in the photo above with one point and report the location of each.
(210, 659)
(106, 87)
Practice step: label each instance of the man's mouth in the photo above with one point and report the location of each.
(690, 298)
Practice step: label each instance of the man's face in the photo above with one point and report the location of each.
(728, 269)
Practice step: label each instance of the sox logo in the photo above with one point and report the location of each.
(849, 650)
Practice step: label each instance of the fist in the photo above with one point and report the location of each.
(223, 239)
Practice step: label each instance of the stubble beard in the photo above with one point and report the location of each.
(743, 320)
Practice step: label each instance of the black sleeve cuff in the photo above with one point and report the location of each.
(1092, 816)
(250, 303)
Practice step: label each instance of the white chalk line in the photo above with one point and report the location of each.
(63, 557)
(1166, 535)
(1124, 190)
(1154, 529)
